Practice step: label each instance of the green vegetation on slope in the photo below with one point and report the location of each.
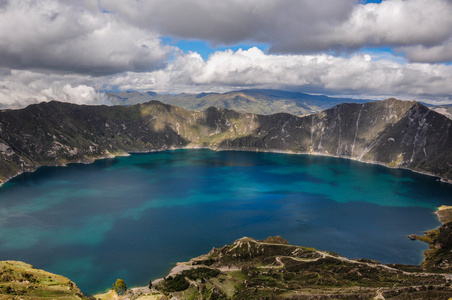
(251, 269)
(19, 280)
(439, 255)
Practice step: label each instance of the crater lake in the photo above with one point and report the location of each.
(134, 217)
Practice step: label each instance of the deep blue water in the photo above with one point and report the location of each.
(134, 217)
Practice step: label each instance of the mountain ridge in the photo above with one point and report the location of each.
(258, 101)
(392, 132)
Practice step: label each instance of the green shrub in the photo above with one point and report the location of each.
(175, 284)
(201, 273)
(120, 286)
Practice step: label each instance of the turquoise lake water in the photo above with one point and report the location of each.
(134, 217)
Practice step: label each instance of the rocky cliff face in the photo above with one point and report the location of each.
(391, 132)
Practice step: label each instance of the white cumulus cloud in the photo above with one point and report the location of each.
(80, 94)
(70, 50)
(21, 88)
(358, 75)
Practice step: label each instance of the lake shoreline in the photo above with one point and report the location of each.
(439, 254)
(269, 187)
(91, 160)
(444, 214)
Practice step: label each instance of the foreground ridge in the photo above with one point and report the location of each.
(393, 133)
(272, 269)
(267, 269)
(251, 269)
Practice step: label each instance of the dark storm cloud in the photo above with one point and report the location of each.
(234, 21)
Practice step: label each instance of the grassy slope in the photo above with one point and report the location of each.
(439, 256)
(19, 280)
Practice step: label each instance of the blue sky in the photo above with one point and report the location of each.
(76, 51)
(205, 49)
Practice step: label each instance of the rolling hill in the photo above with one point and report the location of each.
(245, 101)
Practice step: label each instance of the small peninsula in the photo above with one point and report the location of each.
(273, 269)
(439, 256)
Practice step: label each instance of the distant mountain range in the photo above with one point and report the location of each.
(443, 109)
(257, 101)
(392, 132)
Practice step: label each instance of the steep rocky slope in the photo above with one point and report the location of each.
(391, 132)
